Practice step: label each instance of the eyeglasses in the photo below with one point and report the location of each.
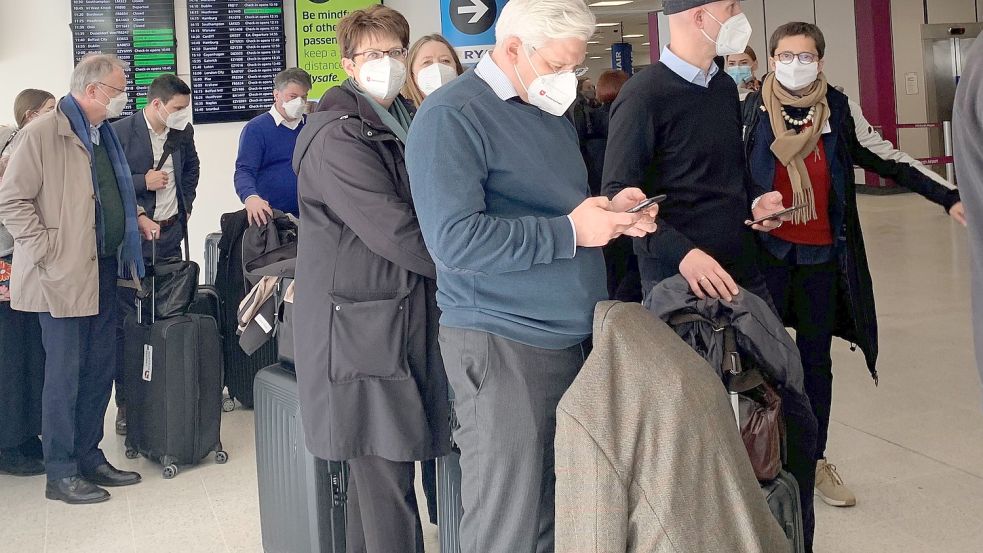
(374, 55)
(805, 58)
(111, 86)
(577, 71)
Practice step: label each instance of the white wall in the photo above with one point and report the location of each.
(423, 15)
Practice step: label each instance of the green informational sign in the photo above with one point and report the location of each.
(318, 52)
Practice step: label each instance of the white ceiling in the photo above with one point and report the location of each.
(634, 19)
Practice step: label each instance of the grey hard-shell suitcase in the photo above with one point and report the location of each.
(450, 510)
(302, 499)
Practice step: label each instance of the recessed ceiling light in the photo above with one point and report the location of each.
(608, 24)
(592, 42)
(646, 44)
(632, 36)
(596, 58)
(609, 3)
(607, 49)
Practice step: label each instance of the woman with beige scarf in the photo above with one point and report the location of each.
(801, 141)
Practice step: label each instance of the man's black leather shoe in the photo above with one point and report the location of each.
(109, 476)
(75, 490)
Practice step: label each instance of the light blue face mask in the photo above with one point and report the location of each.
(741, 74)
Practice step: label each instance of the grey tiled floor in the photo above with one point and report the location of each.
(912, 448)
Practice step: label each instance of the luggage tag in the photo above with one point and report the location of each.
(264, 324)
(148, 362)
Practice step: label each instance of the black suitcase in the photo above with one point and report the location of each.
(240, 369)
(207, 302)
(302, 499)
(211, 256)
(174, 390)
(782, 494)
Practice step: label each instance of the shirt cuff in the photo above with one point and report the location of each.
(573, 227)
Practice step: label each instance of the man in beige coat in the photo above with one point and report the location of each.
(68, 201)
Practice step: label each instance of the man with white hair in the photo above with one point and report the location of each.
(67, 198)
(500, 189)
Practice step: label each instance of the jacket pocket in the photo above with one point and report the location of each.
(46, 250)
(368, 340)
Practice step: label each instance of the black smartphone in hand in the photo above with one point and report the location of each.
(647, 203)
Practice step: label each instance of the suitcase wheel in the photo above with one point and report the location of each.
(132, 453)
(228, 405)
(221, 457)
(170, 471)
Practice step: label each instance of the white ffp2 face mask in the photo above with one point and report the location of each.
(382, 78)
(116, 104)
(553, 93)
(735, 33)
(296, 108)
(796, 75)
(177, 120)
(434, 76)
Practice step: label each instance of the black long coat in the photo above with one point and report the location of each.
(368, 365)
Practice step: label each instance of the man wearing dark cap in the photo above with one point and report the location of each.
(676, 129)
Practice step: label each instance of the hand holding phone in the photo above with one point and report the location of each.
(776, 215)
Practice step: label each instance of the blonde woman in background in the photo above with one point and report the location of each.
(433, 63)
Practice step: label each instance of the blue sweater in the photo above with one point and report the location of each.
(493, 182)
(263, 166)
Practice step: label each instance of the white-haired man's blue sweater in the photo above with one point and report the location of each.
(493, 181)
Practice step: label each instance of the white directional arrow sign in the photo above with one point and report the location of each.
(478, 9)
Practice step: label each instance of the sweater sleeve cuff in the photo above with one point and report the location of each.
(951, 198)
(564, 237)
(573, 227)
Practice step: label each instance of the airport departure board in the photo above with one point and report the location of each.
(237, 48)
(139, 32)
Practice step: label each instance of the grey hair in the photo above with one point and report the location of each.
(536, 21)
(94, 68)
(294, 75)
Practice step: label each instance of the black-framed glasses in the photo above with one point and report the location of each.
(577, 71)
(111, 86)
(805, 58)
(374, 55)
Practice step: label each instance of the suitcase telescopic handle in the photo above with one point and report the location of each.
(153, 277)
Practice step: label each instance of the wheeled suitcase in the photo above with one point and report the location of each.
(782, 494)
(302, 499)
(173, 390)
(450, 509)
(240, 369)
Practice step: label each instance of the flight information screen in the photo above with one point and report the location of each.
(237, 48)
(139, 32)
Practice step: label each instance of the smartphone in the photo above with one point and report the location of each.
(776, 215)
(645, 204)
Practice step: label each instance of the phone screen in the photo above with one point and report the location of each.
(649, 202)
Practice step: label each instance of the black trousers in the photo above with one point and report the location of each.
(806, 295)
(800, 421)
(383, 516)
(78, 380)
(21, 376)
(168, 246)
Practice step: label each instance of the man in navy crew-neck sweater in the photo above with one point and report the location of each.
(500, 189)
(264, 177)
(676, 129)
